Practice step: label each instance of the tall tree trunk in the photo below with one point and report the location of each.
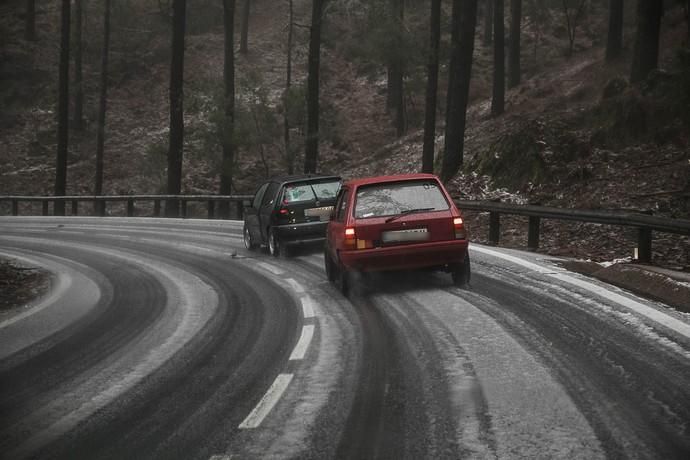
(311, 153)
(498, 100)
(398, 75)
(431, 88)
(514, 49)
(614, 41)
(462, 48)
(78, 86)
(245, 27)
(395, 90)
(229, 105)
(63, 111)
(646, 52)
(100, 139)
(687, 19)
(488, 22)
(176, 108)
(290, 161)
(30, 20)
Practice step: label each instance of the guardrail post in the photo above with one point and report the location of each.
(183, 209)
(156, 208)
(644, 245)
(211, 209)
(130, 207)
(15, 207)
(533, 233)
(45, 207)
(494, 228)
(75, 207)
(101, 208)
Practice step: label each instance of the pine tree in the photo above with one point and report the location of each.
(311, 153)
(646, 52)
(499, 89)
(614, 41)
(175, 148)
(226, 174)
(431, 88)
(464, 22)
(63, 110)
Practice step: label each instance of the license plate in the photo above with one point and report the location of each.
(323, 213)
(398, 236)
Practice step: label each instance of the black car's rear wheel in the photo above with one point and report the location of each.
(248, 241)
(276, 247)
(462, 272)
(273, 244)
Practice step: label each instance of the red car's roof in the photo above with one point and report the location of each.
(381, 179)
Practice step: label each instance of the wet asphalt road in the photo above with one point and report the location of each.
(167, 339)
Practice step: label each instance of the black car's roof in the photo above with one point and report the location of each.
(302, 178)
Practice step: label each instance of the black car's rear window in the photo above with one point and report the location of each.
(310, 191)
(396, 197)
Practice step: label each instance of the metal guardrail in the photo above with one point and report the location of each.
(644, 223)
(179, 203)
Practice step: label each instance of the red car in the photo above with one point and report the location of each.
(394, 223)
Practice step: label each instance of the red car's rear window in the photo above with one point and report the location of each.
(393, 198)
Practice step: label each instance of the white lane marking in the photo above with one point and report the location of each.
(222, 457)
(307, 307)
(295, 285)
(274, 393)
(655, 315)
(270, 268)
(303, 343)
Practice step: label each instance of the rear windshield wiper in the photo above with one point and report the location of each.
(408, 211)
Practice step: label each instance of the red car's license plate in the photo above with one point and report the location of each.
(398, 236)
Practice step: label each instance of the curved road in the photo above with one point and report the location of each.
(167, 339)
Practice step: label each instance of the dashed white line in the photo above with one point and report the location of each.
(295, 285)
(307, 307)
(303, 343)
(655, 315)
(274, 393)
(270, 268)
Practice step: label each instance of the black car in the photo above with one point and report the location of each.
(290, 210)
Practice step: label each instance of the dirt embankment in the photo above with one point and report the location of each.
(20, 284)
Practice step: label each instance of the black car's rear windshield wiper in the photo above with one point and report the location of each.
(408, 211)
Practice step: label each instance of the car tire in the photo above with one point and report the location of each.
(248, 241)
(273, 244)
(344, 280)
(462, 272)
(331, 270)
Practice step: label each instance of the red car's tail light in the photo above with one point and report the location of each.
(350, 238)
(458, 225)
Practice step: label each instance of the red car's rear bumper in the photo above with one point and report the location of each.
(409, 256)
